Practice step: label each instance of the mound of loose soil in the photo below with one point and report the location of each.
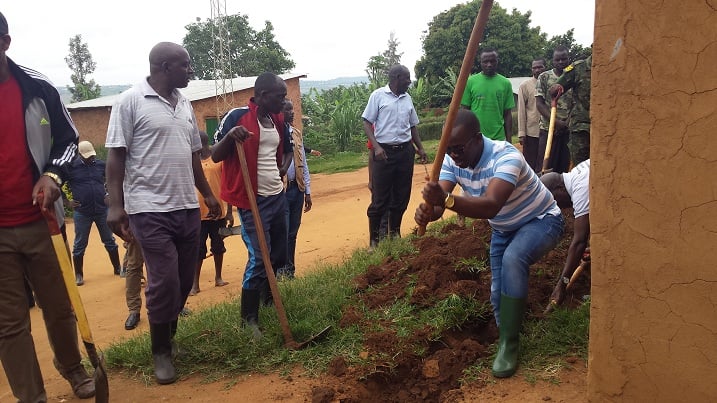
(436, 272)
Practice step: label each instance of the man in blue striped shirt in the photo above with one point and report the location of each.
(498, 185)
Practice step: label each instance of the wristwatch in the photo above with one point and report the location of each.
(565, 280)
(449, 201)
(55, 177)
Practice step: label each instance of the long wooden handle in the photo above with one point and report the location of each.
(466, 66)
(549, 143)
(283, 320)
(68, 276)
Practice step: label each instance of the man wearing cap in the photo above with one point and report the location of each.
(86, 178)
(37, 138)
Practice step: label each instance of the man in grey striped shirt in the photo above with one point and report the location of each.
(152, 169)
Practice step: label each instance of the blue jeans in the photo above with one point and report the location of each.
(295, 207)
(512, 253)
(272, 212)
(83, 225)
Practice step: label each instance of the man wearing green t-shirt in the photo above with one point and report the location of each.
(490, 96)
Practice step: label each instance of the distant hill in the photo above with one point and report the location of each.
(306, 85)
(65, 94)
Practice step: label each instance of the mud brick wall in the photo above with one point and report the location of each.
(653, 334)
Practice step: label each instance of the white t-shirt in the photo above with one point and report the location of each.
(577, 183)
(268, 178)
(159, 141)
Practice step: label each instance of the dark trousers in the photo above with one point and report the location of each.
(170, 246)
(272, 212)
(210, 229)
(26, 251)
(559, 160)
(391, 179)
(531, 145)
(295, 208)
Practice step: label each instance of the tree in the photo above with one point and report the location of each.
(378, 66)
(510, 34)
(80, 62)
(577, 51)
(250, 53)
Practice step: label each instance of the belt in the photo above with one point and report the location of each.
(399, 146)
(291, 182)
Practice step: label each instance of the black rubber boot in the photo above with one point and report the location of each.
(77, 261)
(511, 320)
(266, 298)
(394, 225)
(114, 258)
(374, 226)
(161, 335)
(250, 300)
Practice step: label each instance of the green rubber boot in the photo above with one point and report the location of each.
(511, 319)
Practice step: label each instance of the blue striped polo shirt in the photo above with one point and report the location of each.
(530, 198)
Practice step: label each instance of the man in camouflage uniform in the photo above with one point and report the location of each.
(577, 78)
(559, 159)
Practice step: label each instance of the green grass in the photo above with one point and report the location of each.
(348, 161)
(214, 344)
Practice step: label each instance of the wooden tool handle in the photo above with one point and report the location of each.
(466, 66)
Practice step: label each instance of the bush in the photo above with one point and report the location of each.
(430, 130)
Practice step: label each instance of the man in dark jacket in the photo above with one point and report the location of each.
(86, 177)
(37, 138)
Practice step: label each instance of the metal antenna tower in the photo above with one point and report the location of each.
(224, 89)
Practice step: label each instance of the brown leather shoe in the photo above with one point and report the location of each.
(82, 385)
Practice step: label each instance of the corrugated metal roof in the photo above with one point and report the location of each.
(196, 90)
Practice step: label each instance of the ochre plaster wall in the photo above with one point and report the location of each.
(92, 123)
(653, 333)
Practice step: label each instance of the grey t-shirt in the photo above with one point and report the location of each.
(159, 141)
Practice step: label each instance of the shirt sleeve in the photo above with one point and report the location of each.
(121, 126)
(540, 89)
(370, 113)
(228, 122)
(522, 110)
(447, 170)
(64, 133)
(307, 176)
(509, 100)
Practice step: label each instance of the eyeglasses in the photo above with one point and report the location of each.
(460, 148)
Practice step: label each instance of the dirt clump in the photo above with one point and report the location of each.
(423, 365)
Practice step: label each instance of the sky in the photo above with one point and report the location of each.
(325, 39)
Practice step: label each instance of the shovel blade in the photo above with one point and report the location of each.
(102, 387)
(313, 339)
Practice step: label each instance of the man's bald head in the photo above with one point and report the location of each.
(165, 52)
(269, 93)
(465, 121)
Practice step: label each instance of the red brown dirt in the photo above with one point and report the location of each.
(335, 227)
(436, 272)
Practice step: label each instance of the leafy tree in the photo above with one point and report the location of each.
(80, 62)
(577, 51)
(378, 66)
(510, 34)
(250, 53)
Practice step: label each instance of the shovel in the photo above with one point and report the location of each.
(466, 66)
(102, 389)
(551, 130)
(273, 285)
